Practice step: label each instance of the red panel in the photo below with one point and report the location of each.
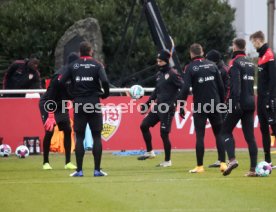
(21, 117)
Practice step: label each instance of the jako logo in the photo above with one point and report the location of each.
(89, 79)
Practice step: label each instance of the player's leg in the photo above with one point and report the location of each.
(149, 121)
(217, 163)
(228, 126)
(272, 123)
(200, 123)
(97, 153)
(264, 127)
(165, 128)
(46, 140)
(80, 122)
(67, 143)
(46, 149)
(248, 131)
(63, 122)
(216, 123)
(96, 126)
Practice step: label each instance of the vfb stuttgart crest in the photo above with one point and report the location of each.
(111, 121)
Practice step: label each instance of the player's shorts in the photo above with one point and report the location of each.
(95, 121)
(165, 120)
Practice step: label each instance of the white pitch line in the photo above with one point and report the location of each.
(114, 181)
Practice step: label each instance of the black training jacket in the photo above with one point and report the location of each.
(57, 91)
(17, 77)
(168, 84)
(224, 76)
(266, 73)
(205, 79)
(241, 75)
(88, 77)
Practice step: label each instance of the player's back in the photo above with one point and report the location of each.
(204, 81)
(86, 75)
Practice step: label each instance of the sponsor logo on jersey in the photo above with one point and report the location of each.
(206, 79)
(242, 64)
(84, 79)
(78, 79)
(206, 66)
(111, 121)
(201, 80)
(210, 78)
(246, 77)
(89, 79)
(86, 66)
(76, 66)
(195, 68)
(167, 76)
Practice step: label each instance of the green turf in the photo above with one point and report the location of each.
(133, 185)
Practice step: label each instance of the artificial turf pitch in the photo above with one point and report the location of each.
(133, 185)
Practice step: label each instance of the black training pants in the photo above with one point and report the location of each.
(264, 126)
(200, 120)
(247, 121)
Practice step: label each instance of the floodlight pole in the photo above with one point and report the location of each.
(270, 22)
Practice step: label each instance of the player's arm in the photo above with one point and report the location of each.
(236, 85)
(8, 74)
(152, 97)
(53, 86)
(225, 79)
(185, 90)
(272, 77)
(177, 80)
(50, 95)
(105, 83)
(220, 85)
(272, 83)
(144, 107)
(66, 75)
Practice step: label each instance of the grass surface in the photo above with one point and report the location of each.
(133, 185)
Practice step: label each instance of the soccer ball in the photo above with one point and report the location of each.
(22, 151)
(136, 92)
(5, 150)
(263, 169)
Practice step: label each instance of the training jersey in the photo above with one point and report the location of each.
(57, 91)
(224, 76)
(168, 84)
(86, 75)
(241, 73)
(266, 72)
(205, 79)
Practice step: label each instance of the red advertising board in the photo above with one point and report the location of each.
(21, 118)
